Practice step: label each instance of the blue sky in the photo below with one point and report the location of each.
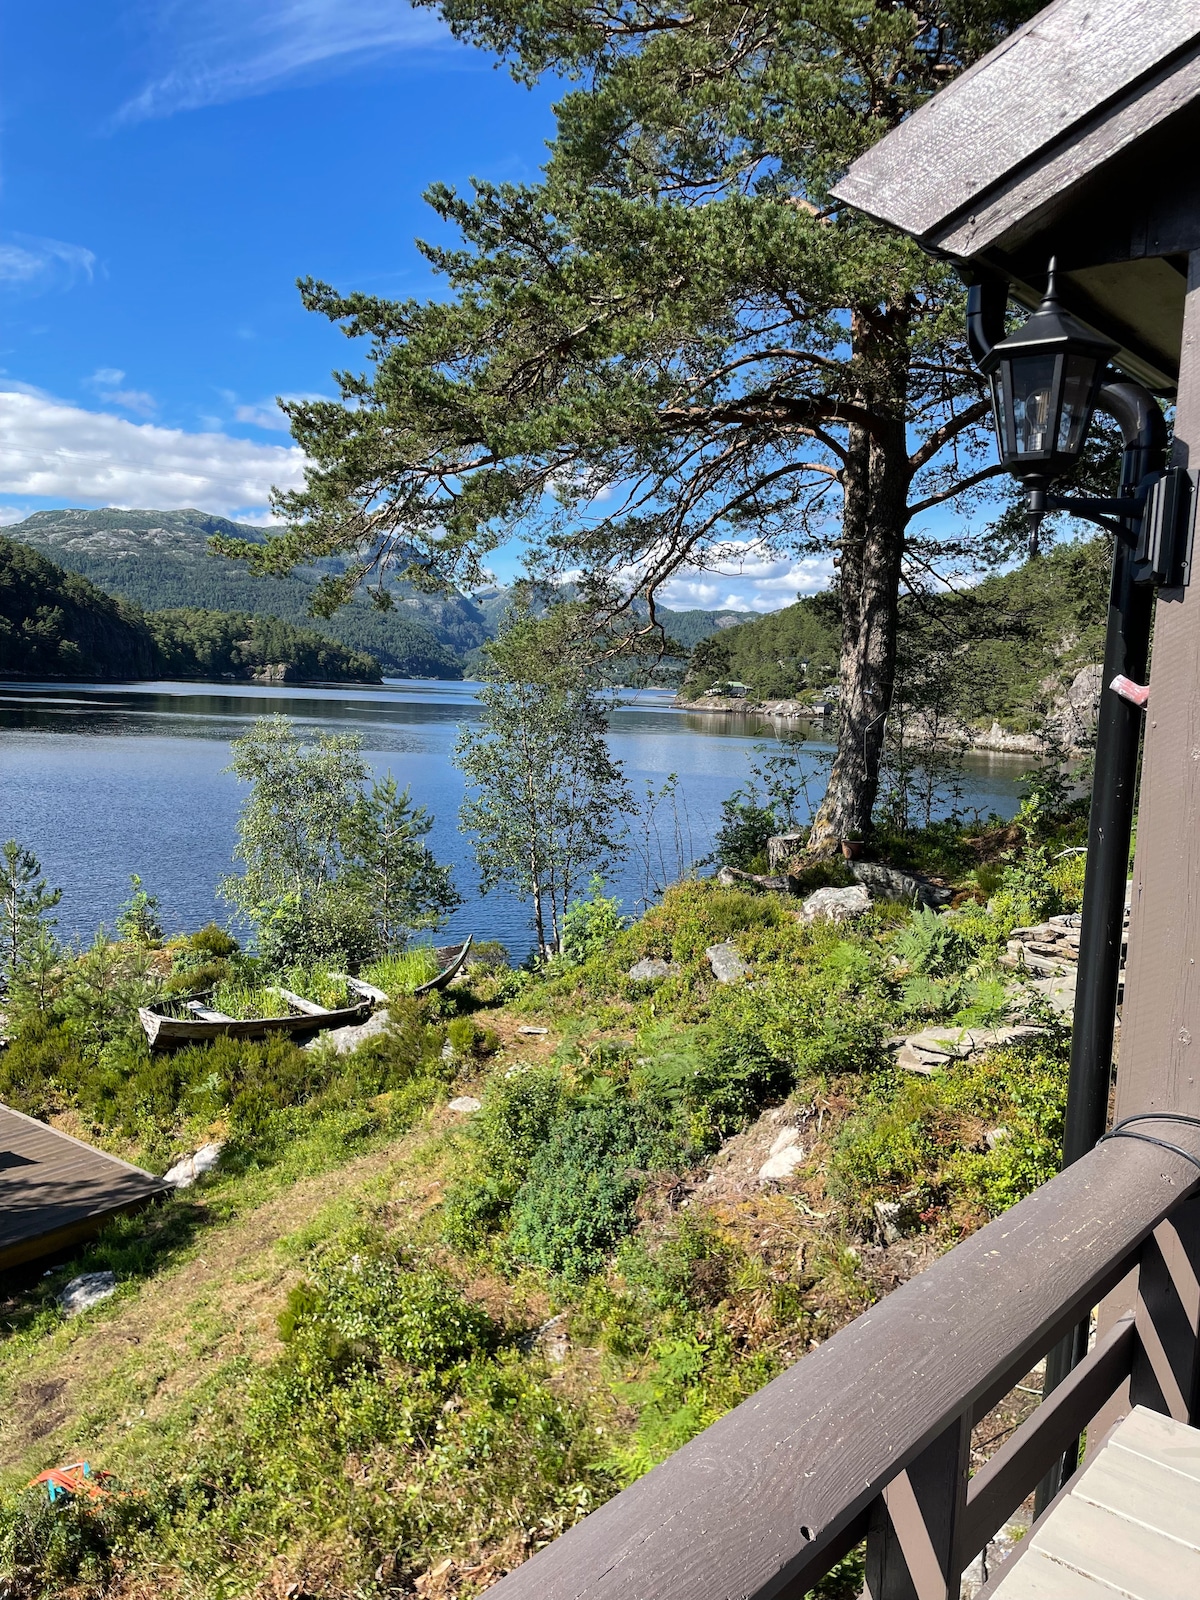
(168, 168)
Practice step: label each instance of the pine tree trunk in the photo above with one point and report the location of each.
(875, 489)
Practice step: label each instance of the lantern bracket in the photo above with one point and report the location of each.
(1158, 521)
(1130, 509)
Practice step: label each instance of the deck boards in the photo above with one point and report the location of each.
(1130, 1526)
(55, 1190)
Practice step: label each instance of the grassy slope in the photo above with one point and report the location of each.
(264, 1464)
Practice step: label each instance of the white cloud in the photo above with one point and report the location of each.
(266, 413)
(35, 264)
(212, 51)
(58, 451)
(262, 416)
(741, 576)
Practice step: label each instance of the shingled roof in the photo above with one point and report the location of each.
(1074, 137)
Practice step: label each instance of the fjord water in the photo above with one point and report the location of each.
(104, 780)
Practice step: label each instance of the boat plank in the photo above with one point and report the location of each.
(307, 1008)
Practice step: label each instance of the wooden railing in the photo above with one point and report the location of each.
(869, 1436)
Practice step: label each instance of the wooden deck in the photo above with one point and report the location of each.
(56, 1190)
(1128, 1526)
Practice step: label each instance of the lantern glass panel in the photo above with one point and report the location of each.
(1001, 415)
(1033, 403)
(1076, 403)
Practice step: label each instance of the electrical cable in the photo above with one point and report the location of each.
(1120, 1130)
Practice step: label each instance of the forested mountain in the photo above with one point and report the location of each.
(1003, 649)
(56, 624)
(208, 644)
(686, 628)
(777, 655)
(1008, 647)
(160, 560)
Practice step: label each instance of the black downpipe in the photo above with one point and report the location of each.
(1110, 822)
(1110, 826)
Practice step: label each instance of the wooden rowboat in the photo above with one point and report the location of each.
(304, 1017)
(451, 957)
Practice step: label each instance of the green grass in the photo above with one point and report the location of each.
(340, 1383)
(401, 974)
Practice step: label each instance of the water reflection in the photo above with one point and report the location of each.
(104, 780)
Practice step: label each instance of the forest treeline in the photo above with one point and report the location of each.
(1001, 649)
(56, 624)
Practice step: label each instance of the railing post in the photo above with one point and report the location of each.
(1166, 1367)
(913, 1542)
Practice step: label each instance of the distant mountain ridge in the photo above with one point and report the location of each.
(57, 624)
(160, 560)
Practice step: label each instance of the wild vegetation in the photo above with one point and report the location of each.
(390, 1347)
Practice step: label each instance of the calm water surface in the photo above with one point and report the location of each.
(104, 780)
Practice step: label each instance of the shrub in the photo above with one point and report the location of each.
(927, 1133)
(380, 1308)
(590, 926)
(583, 1183)
(520, 1107)
(746, 825)
(47, 1550)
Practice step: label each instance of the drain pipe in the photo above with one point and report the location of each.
(1110, 823)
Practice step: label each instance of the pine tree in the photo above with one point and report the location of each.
(675, 350)
(26, 939)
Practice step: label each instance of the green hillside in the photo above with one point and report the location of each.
(1002, 649)
(160, 560)
(777, 655)
(1012, 643)
(56, 624)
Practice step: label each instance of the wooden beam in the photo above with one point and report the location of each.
(1166, 1372)
(307, 1008)
(914, 1544)
(1001, 1484)
(1159, 1067)
(1160, 1023)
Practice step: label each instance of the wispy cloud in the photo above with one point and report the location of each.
(739, 576)
(58, 451)
(35, 265)
(210, 51)
(107, 383)
(266, 413)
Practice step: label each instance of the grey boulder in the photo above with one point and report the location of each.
(87, 1290)
(890, 883)
(727, 965)
(651, 970)
(836, 905)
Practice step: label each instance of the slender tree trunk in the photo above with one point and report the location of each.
(875, 487)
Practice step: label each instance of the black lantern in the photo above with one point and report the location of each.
(1045, 379)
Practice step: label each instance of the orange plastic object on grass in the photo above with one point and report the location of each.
(79, 1478)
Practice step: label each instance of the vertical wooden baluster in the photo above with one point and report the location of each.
(912, 1546)
(1166, 1368)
